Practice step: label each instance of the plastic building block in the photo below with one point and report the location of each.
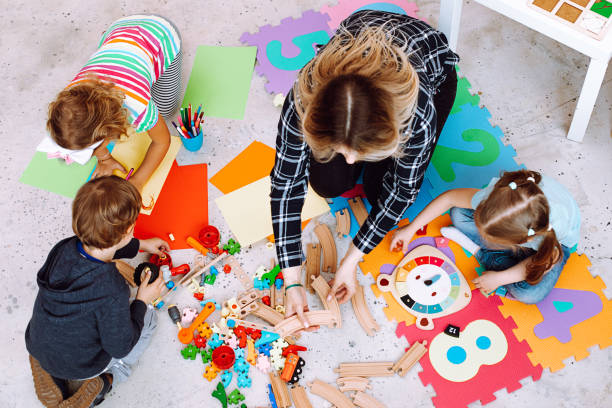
(239, 353)
(235, 397)
(187, 316)
(295, 377)
(240, 331)
(272, 274)
(231, 341)
(289, 367)
(227, 268)
(169, 284)
(244, 381)
(219, 393)
(204, 330)
(263, 363)
(223, 357)
(232, 247)
(206, 356)
(190, 352)
(279, 283)
(214, 341)
(251, 354)
(200, 342)
(266, 338)
(199, 296)
(202, 280)
(226, 378)
(210, 279)
(293, 348)
(265, 349)
(266, 300)
(213, 301)
(261, 284)
(214, 271)
(255, 334)
(241, 365)
(211, 372)
(271, 396)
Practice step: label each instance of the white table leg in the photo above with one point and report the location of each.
(450, 17)
(586, 101)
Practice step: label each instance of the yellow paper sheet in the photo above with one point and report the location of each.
(247, 210)
(131, 151)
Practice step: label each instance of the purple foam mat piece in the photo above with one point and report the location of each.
(279, 80)
(585, 304)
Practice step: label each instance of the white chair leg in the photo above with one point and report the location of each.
(586, 101)
(450, 17)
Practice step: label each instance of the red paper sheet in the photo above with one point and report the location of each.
(181, 208)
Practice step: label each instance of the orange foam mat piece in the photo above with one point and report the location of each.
(575, 316)
(252, 164)
(181, 208)
(382, 257)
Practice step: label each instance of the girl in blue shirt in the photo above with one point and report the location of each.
(522, 228)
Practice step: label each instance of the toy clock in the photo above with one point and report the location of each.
(428, 285)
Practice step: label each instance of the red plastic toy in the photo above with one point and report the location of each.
(199, 296)
(289, 368)
(223, 357)
(165, 259)
(180, 270)
(200, 342)
(209, 237)
(293, 349)
(227, 268)
(266, 300)
(241, 333)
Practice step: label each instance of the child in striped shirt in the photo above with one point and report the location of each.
(133, 76)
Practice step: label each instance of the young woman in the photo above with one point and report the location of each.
(374, 99)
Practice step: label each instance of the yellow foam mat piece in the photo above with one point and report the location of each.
(596, 330)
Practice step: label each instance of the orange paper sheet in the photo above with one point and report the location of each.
(253, 163)
(181, 208)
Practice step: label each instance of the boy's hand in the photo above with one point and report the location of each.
(155, 246)
(148, 292)
(401, 238)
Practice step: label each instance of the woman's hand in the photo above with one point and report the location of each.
(148, 292)
(344, 283)
(401, 238)
(155, 246)
(106, 168)
(295, 297)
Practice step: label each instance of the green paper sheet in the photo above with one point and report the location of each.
(220, 80)
(55, 175)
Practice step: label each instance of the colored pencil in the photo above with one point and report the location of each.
(189, 116)
(129, 174)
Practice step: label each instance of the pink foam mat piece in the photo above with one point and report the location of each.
(345, 8)
(490, 378)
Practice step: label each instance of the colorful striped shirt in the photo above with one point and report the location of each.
(133, 53)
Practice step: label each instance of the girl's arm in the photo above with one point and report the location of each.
(160, 142)
(106, 163)
(491, 280)
(459, 197)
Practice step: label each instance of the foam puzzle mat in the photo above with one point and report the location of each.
(502, 341)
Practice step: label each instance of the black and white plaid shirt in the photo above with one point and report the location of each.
(429, 53)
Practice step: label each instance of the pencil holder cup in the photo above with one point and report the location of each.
(193, 144)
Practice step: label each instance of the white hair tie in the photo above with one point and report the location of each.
(531, 179)
(530, 232)
(512, 185)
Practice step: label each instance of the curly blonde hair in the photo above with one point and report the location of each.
(86, 113)
(360, 92)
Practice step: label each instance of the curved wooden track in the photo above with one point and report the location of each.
(279, 388)
(362, 312)
(363, 400)
(359, 210)
(330, 254)
(268, 314)
(330, 394)
(299, 397)
(353, 384)
(292, 324)
(343, 222)
(322, 288)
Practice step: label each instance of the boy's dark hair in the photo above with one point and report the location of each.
(103, 211)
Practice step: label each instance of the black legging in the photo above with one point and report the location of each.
(337, 176)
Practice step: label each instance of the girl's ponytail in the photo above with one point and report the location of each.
(548, 254)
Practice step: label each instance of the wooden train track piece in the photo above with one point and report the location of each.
(299, 397)
(322, 288)
(410, 358)
(353, 384)
(328, 245)
(374, 369)
(243, 277)
(187, 278)
(362, 312)
(127, 271)
(330, 393)
(316, 318)
(268, 314)
(313, 264)
(343, 223)
(359, 210)
(279, 388)
(273, 295)
(363, 400)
